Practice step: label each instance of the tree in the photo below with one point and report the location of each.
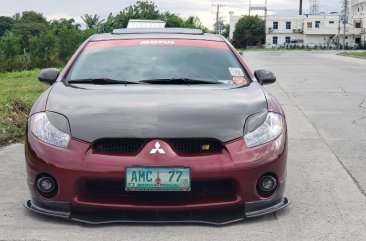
(68, 36)
(6, 24)
(172, 20)
(91, 21)
(67, 42)
(145, 10)
(32, 17)
(28, 40)
(148, 10)
(57, 25)
(42, 49)
(10, 45)
(249, 31)
(9, 49)
(141, 10)
(29, 24)
(192, 22)
(226, 31)
(222, 28)
(107, 25)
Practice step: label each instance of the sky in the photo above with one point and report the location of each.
(55, 9)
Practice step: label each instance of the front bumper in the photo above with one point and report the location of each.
(221, 216)
(78, 164)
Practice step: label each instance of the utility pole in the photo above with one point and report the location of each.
(339, 32)
(345, 21)
(300, 8)
(217, 22)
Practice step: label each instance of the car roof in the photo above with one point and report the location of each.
(161, 33)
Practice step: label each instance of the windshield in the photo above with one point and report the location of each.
(129, 60)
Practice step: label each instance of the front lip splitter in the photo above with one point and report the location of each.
(217, 217)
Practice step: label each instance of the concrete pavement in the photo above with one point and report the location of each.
(323, 97)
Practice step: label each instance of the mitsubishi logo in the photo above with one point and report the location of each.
(157, 149)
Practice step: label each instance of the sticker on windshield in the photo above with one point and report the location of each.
(236, 72)
(238, 80)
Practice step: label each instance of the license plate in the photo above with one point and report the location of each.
(157, 179)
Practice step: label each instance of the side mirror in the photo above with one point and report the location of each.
(265, 77)
(49, 76)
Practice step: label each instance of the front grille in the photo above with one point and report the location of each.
(119, 145)
(198, 189)
(180, 145)
(199, 145)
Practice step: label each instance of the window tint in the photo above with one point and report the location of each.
(155, 62)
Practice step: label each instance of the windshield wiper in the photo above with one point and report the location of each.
(100, 81)
(179, 81)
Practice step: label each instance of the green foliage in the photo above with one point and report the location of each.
(249, 31)
(91, 21)
(29, 24)
(141, 10)
(226, 31)
(222, 28)
(148, 10)
(6, 24)
(42, 50)
(10, 49)
(32, 17)
(172, 20)
(68, 41)
(10, 45)
(35, 42)
(107, 26)
(192, 22)
(360, 54)
(68, 37)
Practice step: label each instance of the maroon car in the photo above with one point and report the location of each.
(156, 125)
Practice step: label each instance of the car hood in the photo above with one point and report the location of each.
(156, 111)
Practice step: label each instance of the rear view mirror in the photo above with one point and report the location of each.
(49, 76)
(265, 77)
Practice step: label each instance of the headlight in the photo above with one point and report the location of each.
(269, 130)
(42, 128)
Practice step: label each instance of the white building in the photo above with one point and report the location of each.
(314, 30)
(357, 19)
(281, 30)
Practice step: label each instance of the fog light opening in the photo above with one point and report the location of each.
(46, 185)
(266, 185)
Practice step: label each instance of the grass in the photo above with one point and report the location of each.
(275, 49)
(18, 92)
(358, 54)
(257, 49)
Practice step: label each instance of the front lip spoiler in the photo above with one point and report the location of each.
(217, 217)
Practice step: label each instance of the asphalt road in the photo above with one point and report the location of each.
(323, 96)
